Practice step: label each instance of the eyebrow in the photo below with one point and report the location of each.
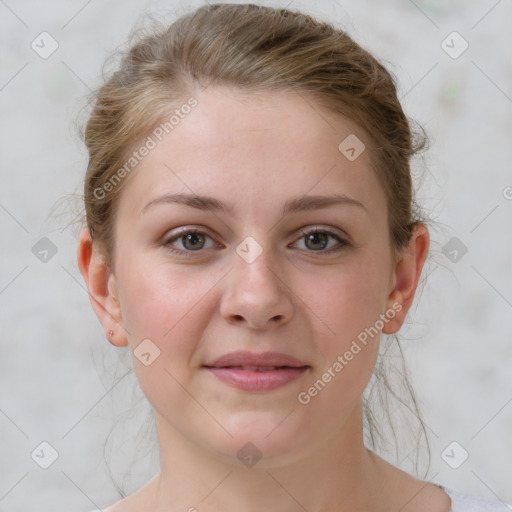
(295, 205)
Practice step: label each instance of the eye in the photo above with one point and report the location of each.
(317, 240)
(194, 240)
(191, 240)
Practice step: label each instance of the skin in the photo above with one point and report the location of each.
(257, 151)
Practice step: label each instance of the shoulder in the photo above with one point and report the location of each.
(470, 503)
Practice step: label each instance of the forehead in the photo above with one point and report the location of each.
(272, 121)
(258, 148)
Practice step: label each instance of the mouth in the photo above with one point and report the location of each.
(257, 372)
(256, 368)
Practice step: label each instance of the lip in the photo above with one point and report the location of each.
(250, 371)
(262, 359)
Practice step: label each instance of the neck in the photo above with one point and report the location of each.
(338, 474)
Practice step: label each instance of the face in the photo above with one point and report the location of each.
(269, 262)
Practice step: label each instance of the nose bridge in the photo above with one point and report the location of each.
(255, 290)
(255, 266)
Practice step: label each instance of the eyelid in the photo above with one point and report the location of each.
(318, 228)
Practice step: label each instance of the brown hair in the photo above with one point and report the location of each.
(249, 48)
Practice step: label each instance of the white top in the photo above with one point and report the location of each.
(466, 503)
(470, 503)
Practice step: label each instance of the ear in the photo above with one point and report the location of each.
(102, 288)
(405, 277)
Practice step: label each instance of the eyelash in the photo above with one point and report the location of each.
(304, 233)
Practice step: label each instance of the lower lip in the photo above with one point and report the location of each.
(250, 380)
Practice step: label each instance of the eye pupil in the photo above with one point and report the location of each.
(192, 237)
(314, 237)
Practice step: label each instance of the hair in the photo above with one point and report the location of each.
(251, 49)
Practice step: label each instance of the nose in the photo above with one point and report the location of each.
(255, 295)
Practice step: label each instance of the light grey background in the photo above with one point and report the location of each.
(59, 374)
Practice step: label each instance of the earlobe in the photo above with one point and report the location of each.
(102, 288)
(406, 277)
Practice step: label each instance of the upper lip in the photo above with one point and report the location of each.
(263, 359)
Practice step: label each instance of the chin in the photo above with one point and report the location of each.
(262, 440)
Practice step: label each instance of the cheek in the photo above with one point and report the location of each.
(170, 304)
(163, 304)
(349, 299)
(349, 307)
(349, 304)
(168, 308)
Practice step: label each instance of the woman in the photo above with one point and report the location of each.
(251, 232)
